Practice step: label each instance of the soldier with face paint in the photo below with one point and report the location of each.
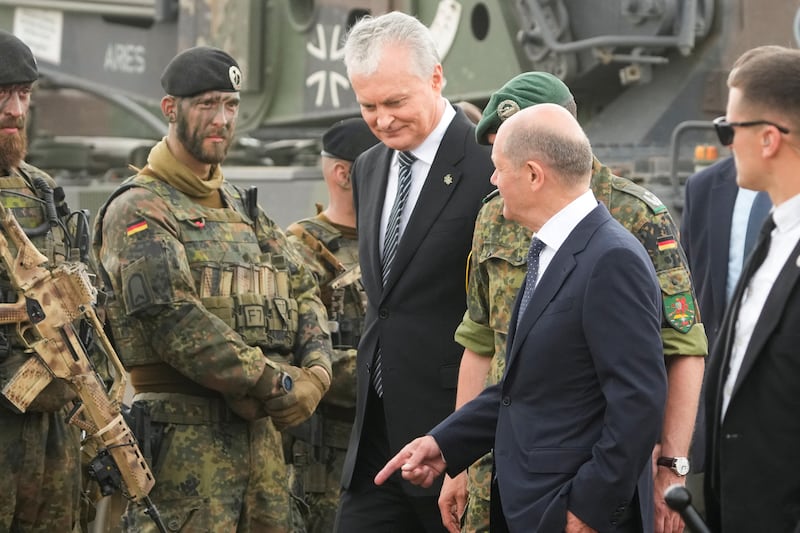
(39, 452)
(219, 324)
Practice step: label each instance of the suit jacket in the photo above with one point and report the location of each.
(706, 237)
(576, 416)
(753, 457)
(414, 316)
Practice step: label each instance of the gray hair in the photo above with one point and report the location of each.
(570, 156)
(368, 37)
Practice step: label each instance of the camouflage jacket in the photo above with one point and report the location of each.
(208, 291)
(328, 251)
(497, 268)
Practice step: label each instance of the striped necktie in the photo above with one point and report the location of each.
(406, 159)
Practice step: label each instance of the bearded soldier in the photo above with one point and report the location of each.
(213, 314)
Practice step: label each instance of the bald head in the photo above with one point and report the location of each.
(549, 134)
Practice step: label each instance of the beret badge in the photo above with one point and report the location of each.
(235, 76)
(506, 108)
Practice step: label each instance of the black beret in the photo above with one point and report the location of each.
(199, 70)
(17, 64)
(347, 139)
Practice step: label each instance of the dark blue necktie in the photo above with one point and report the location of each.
(758, 213)
(531, 276)
(390, 243)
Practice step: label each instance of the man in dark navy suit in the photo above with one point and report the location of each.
(576, 416)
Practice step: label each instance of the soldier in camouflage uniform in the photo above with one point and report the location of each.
(39, 452)
(497, 268)
(328, 243)
(214, 316)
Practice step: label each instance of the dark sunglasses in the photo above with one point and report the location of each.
(725, 129)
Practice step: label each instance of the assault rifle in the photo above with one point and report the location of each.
(49, 304)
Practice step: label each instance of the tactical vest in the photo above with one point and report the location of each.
(247, 289)
(19, 195)
(29, 207)
(346, 305)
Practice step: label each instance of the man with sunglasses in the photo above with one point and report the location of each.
(753, 431)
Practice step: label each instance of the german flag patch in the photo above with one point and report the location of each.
(136, 227)
(667, 243)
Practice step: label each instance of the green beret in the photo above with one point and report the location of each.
(199, 70)
(347, 139)
(17, 64)
(524, 90)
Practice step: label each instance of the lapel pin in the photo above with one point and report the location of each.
(448, 179)
(797, 262)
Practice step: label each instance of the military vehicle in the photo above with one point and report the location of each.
(648, 75)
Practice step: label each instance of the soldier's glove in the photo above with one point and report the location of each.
(53, 397)
(247, 408)
(296, 406)
(251, 405)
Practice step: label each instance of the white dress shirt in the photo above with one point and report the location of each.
(425, 154)
(783, 240)
(556, 230)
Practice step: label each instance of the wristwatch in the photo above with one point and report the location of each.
(679, 465)
(285, 382)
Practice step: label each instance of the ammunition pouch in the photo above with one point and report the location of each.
(254, 300)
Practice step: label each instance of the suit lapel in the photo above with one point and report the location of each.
(773, 307)
(440, 183)
(562, 264)
(373, 182)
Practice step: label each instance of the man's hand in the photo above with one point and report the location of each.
(452, 501)
(667, 520)
(291, 409)
(420, 461)
(247, 407)
(576, 525)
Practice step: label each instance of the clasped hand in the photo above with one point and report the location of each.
(296, 406)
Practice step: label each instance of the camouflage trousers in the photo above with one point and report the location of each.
(41, 475)
(479, 489)
(214, 471)
(317, 475)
